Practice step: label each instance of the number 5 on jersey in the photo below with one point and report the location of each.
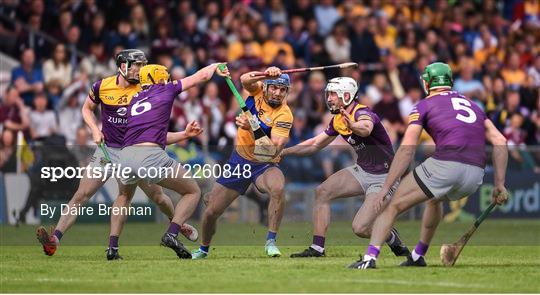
(461, 104)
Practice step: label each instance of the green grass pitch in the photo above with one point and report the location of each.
(503, 256)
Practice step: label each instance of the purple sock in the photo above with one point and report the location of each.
(58, 234)
(421, 248)
(373, 251)
(113, 241)
(319, 241)
(174, 228)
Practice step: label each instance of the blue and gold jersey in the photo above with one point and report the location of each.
(276, 121)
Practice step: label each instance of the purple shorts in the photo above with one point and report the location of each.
(241, 180)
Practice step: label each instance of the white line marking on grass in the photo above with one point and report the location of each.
(359, 280)
(415, 283)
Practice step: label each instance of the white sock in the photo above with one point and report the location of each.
(317, 248)
(369, 257)
(415, 256)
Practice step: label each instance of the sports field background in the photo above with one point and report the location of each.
(503, 256)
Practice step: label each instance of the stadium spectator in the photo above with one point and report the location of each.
(28, 78)
(388, 110)
(512, 104)
(312, 99)
(58, 68)
(468, 85)
(298, 37)
(64, 23)
(277, 43)
(8, 155)
(399, 78)
(407, 103)
(81, 148)
(69, 109)
(96, 65)
(245, 36)
(512, 73)
(72, 45)
(42, 121)
(534, 72)
(211, 11)
(164, 42)
(84, 12)
(516, 137)
(216, 111)
(327, 15)
(338, 44)
(13, 113)
(95, 33)
(140, 25)
(275, 13)
(375, 89)
(123, 36)
(188, 34)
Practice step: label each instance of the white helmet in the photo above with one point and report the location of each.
(340, 86)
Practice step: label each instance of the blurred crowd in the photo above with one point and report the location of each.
(492, 46)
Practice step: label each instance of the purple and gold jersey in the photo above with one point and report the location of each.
(149, 113)
(114, 101)
(456, 124)
(375, 152)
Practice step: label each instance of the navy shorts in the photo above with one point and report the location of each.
(239, 182)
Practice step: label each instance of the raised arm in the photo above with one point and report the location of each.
(253, 84)
(309, 146)
(202, 76)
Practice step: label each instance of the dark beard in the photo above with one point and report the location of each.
(334, 112)
(273, 104)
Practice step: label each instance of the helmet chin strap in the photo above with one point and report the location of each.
(125, 75)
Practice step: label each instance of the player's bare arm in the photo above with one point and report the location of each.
(203, 75)
(362, 127)
(89, 118)
(500, 161)
(254, 84)
(309, 146)
(402, 159)
(192, 129)
(279, 141)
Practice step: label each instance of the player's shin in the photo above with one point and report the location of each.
(396, 244)
(381, 229)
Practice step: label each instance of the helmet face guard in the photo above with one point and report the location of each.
(130, 57)
(340, 86)
(282, 81)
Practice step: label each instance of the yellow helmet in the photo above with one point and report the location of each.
(153, 74)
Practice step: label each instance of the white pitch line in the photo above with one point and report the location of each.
(414, 283)
(359, 280)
